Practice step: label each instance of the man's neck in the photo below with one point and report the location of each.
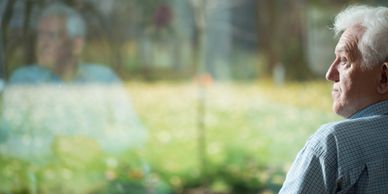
(67, 71)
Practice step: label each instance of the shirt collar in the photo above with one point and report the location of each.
(379, 108)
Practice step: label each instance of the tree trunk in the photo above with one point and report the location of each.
(282, 34)
(6, 14)
(268, 22)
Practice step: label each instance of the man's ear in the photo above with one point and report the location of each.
(78, 45)
(382, 87)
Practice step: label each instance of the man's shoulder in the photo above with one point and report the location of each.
(324, 137)
(28, 69)
(346, 134)
(329, 129)
(338, 128)
(30, 75)
(352, 127)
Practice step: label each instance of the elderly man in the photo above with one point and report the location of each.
(60, 97)
(60, 40)
(351, 156)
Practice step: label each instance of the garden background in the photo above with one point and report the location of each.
(228, 91)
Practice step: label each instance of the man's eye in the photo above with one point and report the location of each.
(343, 60)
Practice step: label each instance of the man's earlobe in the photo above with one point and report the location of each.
(383, 83)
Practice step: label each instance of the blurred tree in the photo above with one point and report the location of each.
(115, 24)
(6, 12)
(199, 14)
(282, 25)
(20, 37)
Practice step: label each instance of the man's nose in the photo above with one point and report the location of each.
(332, 73)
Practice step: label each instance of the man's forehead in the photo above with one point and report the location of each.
(343, 48)
(348, 41)
(51, 21)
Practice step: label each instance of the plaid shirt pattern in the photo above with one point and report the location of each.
(349, 156)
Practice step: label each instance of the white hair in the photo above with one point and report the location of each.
(374, 42)
(75, 25)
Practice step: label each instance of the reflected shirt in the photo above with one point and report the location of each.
(95, 104)
(349, 156)
(87, 73)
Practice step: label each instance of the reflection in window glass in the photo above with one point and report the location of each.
(162, 96)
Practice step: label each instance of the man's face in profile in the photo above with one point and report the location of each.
(354, 87)
(54, 47)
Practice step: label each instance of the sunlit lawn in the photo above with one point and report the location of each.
(252, 132)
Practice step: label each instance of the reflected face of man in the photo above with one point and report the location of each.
(54, 47)
(354, 87)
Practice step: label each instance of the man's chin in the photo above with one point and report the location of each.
(339, 110)
(343, 113)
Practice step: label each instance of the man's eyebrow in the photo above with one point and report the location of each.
(341, 50)
(345, 48)
(349, 51)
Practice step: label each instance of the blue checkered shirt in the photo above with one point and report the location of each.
(349, 156)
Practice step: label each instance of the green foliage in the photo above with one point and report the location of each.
(13, 175)
(239, 172)
(253, 132)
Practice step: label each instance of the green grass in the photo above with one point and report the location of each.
(252, 131)
(245, 123)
